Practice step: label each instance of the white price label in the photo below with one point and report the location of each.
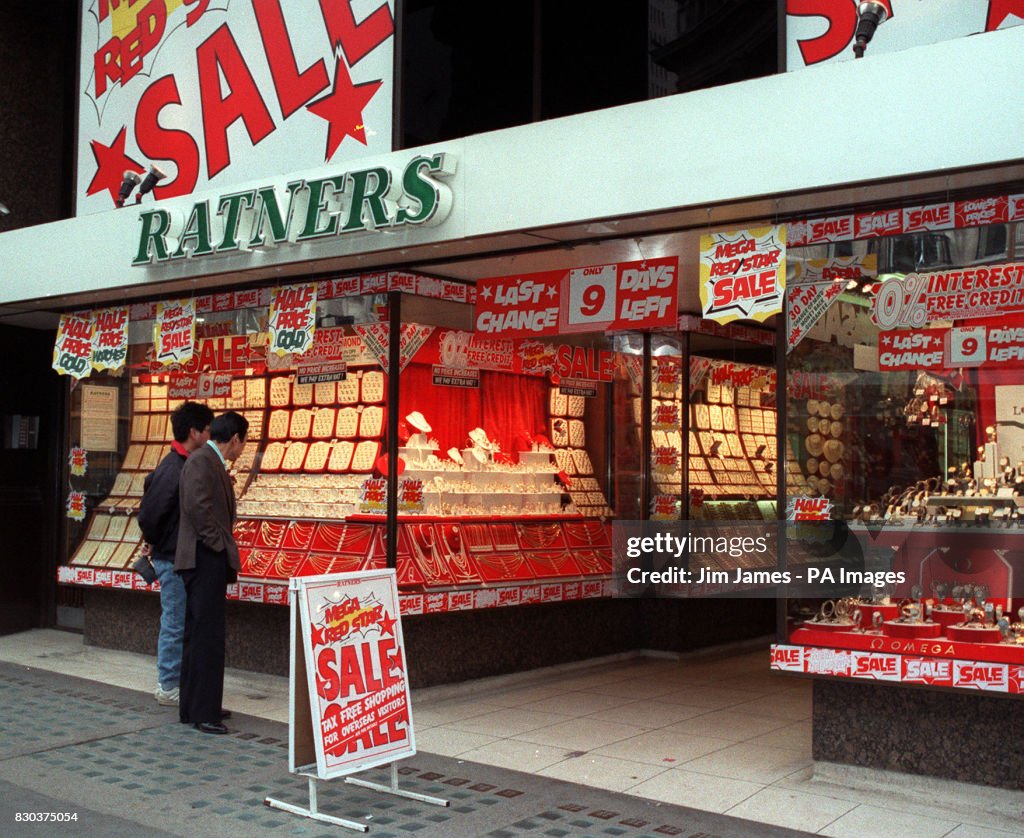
(592, 293)
(967, 346)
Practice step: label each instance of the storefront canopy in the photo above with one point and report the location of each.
(946, 116)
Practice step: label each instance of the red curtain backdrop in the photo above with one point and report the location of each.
(505, 405)
(512, 405)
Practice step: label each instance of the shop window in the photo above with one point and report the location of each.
(511, 457)
(912, 253)
(992, 241)
(903, 405)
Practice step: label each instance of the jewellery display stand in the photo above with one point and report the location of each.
(467, 519)
(732, 443)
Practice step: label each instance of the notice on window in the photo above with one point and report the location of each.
(99, 418)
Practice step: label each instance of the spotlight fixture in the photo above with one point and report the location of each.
(128, 183)
(152, 178)
(870, 15)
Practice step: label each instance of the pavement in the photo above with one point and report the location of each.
(632, 744)
(101, 760)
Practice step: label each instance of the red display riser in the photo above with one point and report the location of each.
(939, 647)
(431, 552)
(432, 602)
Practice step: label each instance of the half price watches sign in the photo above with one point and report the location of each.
(110, 340)
(743, 273)
(625, 295)
(351, 637)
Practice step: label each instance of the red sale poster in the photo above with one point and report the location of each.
(174, 331)
(353, 655)
(743, 273)
(626, 295)
(519, 306)
(595, 298)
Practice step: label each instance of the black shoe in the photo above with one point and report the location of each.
(225, 714)
(210, 727)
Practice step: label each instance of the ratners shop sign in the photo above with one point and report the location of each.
(305, 210)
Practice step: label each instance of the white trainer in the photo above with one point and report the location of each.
(168, 698)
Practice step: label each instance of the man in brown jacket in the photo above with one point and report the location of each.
(207, 559)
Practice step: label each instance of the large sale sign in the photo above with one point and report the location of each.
(823, 30)
(217, 91)
(354, 674)
(743, 273)
(597, 298)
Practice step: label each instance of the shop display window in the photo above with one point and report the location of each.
(512, 456)
(904, 422)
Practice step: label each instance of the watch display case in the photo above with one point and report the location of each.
(903, 423)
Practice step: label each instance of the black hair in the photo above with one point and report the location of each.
(189, 415)
(227, 425)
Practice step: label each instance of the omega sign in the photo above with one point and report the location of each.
(365, 199)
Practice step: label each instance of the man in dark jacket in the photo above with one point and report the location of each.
(159, 514)
(207, 559)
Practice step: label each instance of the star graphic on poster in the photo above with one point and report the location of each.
(552, 291)
(486, 292)
(795, 336)
(111, 162)
(343, 108)
(387, 625)
(886, 340)
(316, 635)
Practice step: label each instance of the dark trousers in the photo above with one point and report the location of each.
(202, 656)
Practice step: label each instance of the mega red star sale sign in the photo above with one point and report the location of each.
(350, 704)
(214, 92)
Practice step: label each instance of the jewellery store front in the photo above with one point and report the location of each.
(489, 467)
(424, 427)
(472, 377)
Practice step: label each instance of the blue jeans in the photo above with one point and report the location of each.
(172, 624)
